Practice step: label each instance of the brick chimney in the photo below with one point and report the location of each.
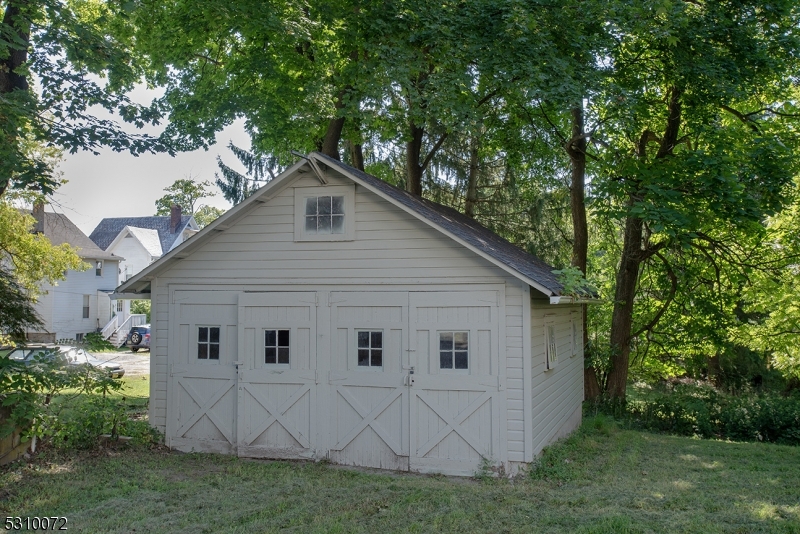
(174, 218)
(38, 214)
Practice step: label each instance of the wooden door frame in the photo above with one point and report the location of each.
(308, 377)
(173, 350)
(496, 381)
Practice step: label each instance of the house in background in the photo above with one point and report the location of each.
(331, 315)
(79, 304)
(140, 241)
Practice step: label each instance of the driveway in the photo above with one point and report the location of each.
(137, 364)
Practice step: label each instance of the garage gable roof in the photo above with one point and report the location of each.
(450, 222)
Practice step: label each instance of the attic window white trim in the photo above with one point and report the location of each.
(302, 196)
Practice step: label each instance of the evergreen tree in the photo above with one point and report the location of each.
(236, 186)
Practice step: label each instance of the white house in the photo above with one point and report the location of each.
(79, 304)
(140, 241)
(332, 315)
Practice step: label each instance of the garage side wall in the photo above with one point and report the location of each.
(557, 393)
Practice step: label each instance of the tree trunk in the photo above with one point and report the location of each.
(715, 370)
(576, 148)
(9, 79)
(357, 156)
(355, 149)
(472, 180)
(622, 316)
(413, 167)
(330, 143)
(634, 253)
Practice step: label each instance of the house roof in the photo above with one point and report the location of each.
(459, 227)
(59, 229)
(148, 238)
(108, 229)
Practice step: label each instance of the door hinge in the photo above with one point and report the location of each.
(316, 299)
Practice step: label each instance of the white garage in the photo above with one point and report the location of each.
(333, 316)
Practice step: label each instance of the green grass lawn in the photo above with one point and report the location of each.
(604, 479)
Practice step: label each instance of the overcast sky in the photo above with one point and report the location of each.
(115, 184)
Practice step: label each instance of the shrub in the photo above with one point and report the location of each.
(82, 425)
(705, 412)
(35, 401)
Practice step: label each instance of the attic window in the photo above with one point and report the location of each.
(324, 213)
(98, 271)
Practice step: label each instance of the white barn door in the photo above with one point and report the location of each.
(368, 381)
(454, 395)
(202, 391)
(277, 376)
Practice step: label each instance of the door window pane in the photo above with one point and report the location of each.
(370, 348)
(208, 343)
(454, 350)
(276, 346)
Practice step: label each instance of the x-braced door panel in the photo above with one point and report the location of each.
(201, 353)
(368, 381)
(454, 396)
(277, 375)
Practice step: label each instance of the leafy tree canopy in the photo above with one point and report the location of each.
(58, 59)
(186, 193)
(17, 311)
(33, 258)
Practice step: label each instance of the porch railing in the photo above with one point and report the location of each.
(136, 319)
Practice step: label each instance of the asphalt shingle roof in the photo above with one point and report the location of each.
(109, 228)
(59, 229)
(463, 227)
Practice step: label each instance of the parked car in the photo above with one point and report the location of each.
(31, 354)
(139, 338)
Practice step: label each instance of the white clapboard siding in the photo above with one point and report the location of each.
(136, 256)
(62, 309)
(556, 393)
(516, 297)
(389, 244)
(159, 340)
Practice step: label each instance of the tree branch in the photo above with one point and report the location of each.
(432, 152)
(742, 117)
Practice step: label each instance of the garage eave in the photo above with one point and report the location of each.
(566, 299)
